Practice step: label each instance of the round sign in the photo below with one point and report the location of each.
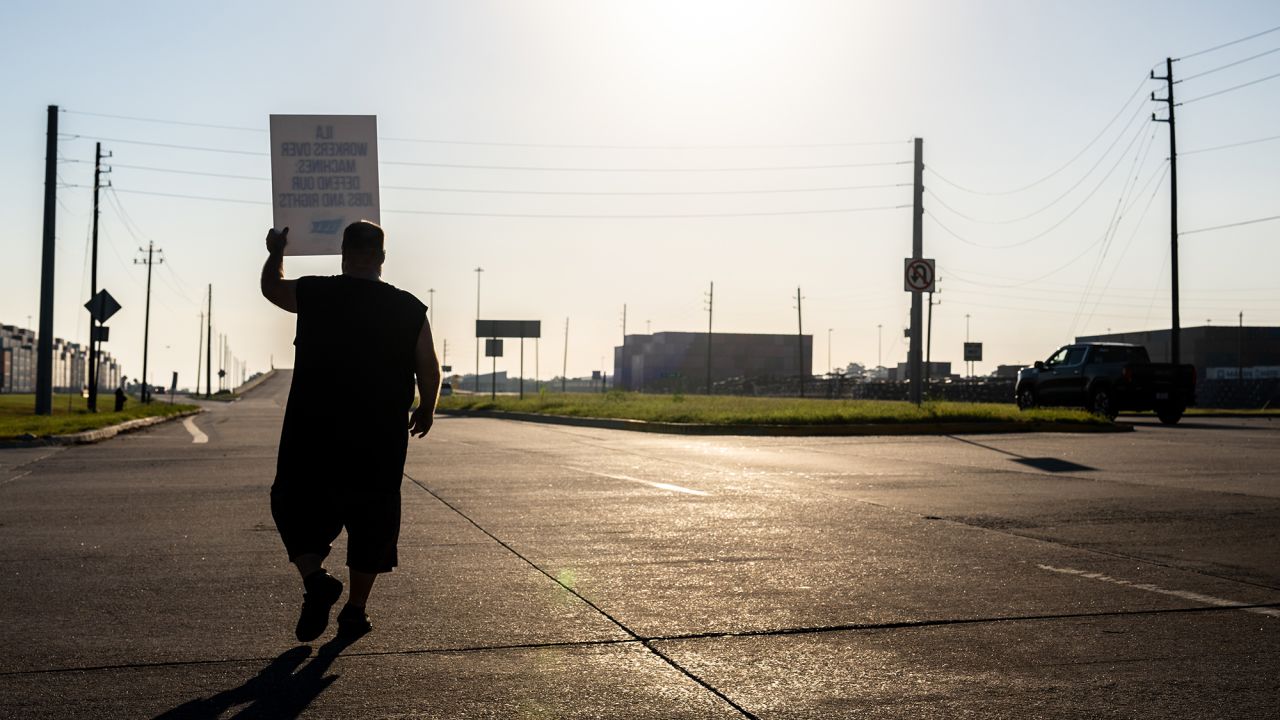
(920, 275)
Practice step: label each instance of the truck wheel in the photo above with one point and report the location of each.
(1102, 404)
(1169, 415)
(1026, 400)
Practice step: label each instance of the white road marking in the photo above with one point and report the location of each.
(19, 476)
(659, 485)
(1184, 594)
(197, 437)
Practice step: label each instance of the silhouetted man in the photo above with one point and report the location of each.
(359, 345)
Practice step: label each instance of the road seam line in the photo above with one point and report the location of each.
(645, 641)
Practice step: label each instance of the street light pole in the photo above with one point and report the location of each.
(478, 271)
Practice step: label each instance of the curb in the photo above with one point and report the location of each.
(942, 428)
(98, 435)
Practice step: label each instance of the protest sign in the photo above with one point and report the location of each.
(324, 176)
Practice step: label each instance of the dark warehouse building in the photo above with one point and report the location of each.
(677, 361)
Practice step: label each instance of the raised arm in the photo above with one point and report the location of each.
(427, 367)
(283, 293)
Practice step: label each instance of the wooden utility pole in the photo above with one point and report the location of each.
(917, 253)
(93, 283)
(44, 342)
(208, 350)
(800, 341)
(146, 323)
(1175, 326)
(711, 300)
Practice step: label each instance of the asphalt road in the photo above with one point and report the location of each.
(552, 572)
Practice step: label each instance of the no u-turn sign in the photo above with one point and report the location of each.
(918, 275)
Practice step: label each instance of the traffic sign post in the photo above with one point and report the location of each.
(493, 349)
(101, 307)
(919, 275)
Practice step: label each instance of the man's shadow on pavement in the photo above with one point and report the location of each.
(282, 689)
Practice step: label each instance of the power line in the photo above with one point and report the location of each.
(593, 193)
(543, 168)
(1228, 65)
(1229, 145)
(1230, 89)
(1230, 225)
(432, 141)
(1137, 91)
(537, 168)
(830, 211)
(1229, 44)
(1071, 213)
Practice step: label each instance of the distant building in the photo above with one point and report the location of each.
(70, 364)
(1217, 351)
(1007, 371)
(677, 361)
(933, 370)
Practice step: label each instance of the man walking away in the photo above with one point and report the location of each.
(360, 343)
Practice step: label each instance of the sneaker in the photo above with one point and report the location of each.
(352, 622)
(322, 591)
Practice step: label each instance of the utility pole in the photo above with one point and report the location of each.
(800, 341)
(917, 253)
(829, 350)
(431, 306)
(879, 345)
(199, 354)
(564, 372)
(928, 348)
(966, 339)
(208, 350)
(711, 298)
(146, 323)
(44, 342)
(1240, 350)
(94, 325)
(478, 271)
(1175, 327)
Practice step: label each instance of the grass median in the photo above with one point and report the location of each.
(71, 414)
(726, 410)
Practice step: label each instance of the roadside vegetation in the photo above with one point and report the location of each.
(70, 414)
(727, 410)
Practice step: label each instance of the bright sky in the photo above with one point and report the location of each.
(661, 109)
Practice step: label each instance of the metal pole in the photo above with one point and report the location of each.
(146, 329)
(564, 373)
(199, 354)
(1240, 349)
(93, 284)
(928, 347)
(829, 350)
(478, 271)
(711, 304)
(521, 367)
(493, 377)
(917, 252)
(1175, 323)
(44, 343)
(208, 350)
(800, 341)
(879, 345)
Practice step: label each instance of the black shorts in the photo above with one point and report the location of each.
(310, 513)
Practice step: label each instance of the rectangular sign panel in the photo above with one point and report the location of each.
(973, 352)
(508, 328)
(492, 348)
(324, 176)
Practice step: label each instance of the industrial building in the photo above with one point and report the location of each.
(1218, 352)
(677, 361)
(70, 364)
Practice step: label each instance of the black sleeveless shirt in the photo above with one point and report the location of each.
(353, 378)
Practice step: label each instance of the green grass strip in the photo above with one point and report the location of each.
(71, 414)
(727, 410)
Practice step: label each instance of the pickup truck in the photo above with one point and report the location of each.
(1107, 378)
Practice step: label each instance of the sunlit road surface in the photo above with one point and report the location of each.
(551, 572)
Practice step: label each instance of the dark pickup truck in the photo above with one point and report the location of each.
(1107, 378)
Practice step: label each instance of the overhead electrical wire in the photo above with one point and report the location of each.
(1071, 213)
(1255, 221)
(1230, 89)
(827, 211)
(1229, 145)
(566, 146)
(1137, 91)
(1224, 67)
(1229, 44)
(592, 193)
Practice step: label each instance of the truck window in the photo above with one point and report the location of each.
(1057, 358)
(1075, 356)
